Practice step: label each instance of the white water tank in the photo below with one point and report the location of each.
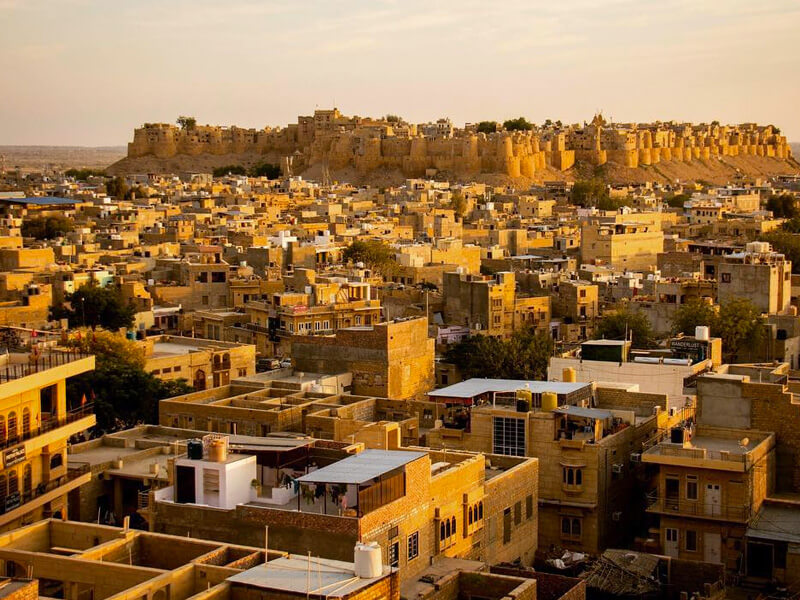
(367, 563)
(701, 332)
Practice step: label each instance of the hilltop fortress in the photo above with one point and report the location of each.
(336, 141)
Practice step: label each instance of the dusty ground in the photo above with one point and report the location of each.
(38, 158)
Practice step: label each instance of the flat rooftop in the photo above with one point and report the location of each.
(362, 467)
(329, 578)
(476, 387)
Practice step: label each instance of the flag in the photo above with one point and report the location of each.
(83, 400)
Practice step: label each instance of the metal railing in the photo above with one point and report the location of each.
(11, 372)
(14, 500)
(7, 440)
(698, 508)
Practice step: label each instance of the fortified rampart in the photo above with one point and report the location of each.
(337, 141)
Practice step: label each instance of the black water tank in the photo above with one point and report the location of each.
(194, 449)
(677, 435)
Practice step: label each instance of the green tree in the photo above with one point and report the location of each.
(390, 118)
(46, 228)
(117, 188)
(137, 192)
(739, 324)
(524, 356)
(691, 314)
(186, 122)
(375, 254)
(124, 394)
(677, 200)
(487, 127)
(267, 170)
(458, 203)
(518, 124)
(229, 170)
(589, 192)
(82, 174)
(622, 322)
(94, 306)
(792, 225)
(783, 206)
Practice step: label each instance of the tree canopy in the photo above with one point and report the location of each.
(487, 127)
(124, 394)
(518, 124)
(267, 170)
(524, 356)
(786, 242)
(82, 174)
(186, 122)
(117, 188)
(458, 203)
(677, 200)
(229, 170)
(94, 306)
(375, 254)
(622, 322)
(588, 192)
(783, 206)
(738, 322)
(46, 228)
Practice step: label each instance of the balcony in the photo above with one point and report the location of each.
(14, 371)
(681, 507)
(49, 425)
(18, 503)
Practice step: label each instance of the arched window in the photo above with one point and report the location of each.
(26, 421)
(441, 532)
(12, 425)
(470, 515)
(2, 428)
(578, 476)
(27, 479)
(447, 528)
(13, 482)
(3, 486)
(453, 522)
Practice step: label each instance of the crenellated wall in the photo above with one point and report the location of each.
(367, 145)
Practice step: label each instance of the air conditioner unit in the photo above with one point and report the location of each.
(636, 457)
(616, 516)
(616, 468)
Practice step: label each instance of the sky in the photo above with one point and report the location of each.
(87, 72)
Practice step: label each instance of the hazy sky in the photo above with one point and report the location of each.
(86, 72)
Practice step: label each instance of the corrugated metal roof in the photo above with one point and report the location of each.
(580, 411)
(42, 200)
(777, 523)
(329, 578)
(475, 387)
(362, 467)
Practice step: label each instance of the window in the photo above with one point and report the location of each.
(517, 513)
(26, 421)
(726, 277)
(12, 425)
(13, 482)
(691, 487)
(571, 528)
(204, 300)
(509, 436)
(394, 554)
(529, 507)
(691, 541)
(413, 545)
(56, 461)
(572, 476)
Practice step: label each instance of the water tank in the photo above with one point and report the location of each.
(367, 562)
(569, 375)
(194, 449)
(218, 450)
(701, 332)
(677, 435)
(549, 401)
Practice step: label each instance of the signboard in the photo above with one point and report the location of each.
(13, 456)
(12, 501)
